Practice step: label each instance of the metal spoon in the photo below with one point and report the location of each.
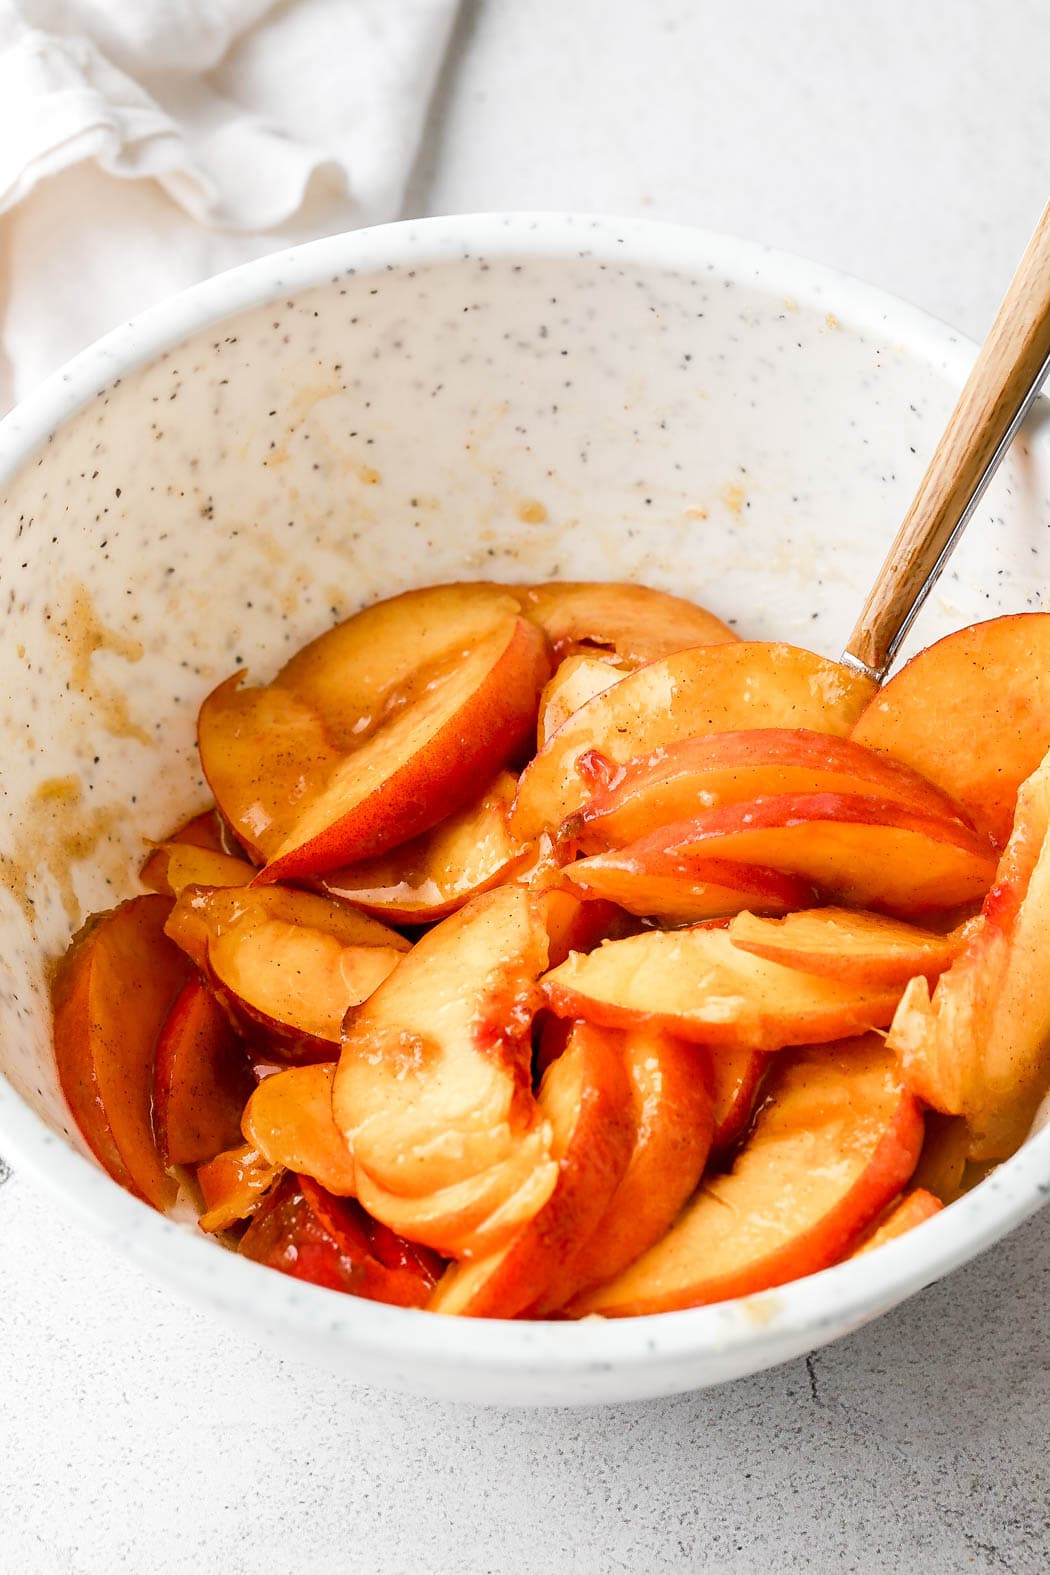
(1007, 375)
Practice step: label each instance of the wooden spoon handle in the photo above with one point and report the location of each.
(1005, 379)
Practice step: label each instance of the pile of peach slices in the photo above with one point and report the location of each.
(549, 951)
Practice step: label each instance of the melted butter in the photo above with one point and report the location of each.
(84, 635)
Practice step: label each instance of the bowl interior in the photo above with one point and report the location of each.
(702, 418)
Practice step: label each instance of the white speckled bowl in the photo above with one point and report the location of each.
(216, 482)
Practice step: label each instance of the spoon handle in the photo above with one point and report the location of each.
(1005, 379)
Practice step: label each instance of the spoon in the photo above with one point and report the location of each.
(1006, 377)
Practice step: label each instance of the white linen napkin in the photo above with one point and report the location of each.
(145, 144)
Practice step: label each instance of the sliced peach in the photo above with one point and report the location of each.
(289, 1120)
(736, 1077)
(576, 680)
(111, 994)
(433, 1083)
(234, 1185)
(201, 1079)
(288, 1234)
(694, 774)
(377, 730)
(709, 689)
(586, 1098)
(291, 963)
(863, 851)
(366, 669)
(266, 755)
(635, 623)
(697, 984)
(430, 877)
(672, 1112)
(972, 713)
(943, 1158)
(835, 1140)
(840, 943)
(474, 1217)
(172, 866)
(683, 892)
(980, 1048)
(915, 1207)
(426, 761)
(296, 984)
(202, 913)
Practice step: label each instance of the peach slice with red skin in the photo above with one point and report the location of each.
(684, 892)
(836, 1139)
(201, 1079)
(429, 878)
(433, 1084)
(693, 774)
(673, 1119)
(289, 1120)
(695, 983)
(841, 943)
(709, 689)
(266, 755)
(586, 1098)
(326, 1249)
(863, 851)
(309, 789)
(111, 995)
(913, 1209)
(287, 963)
(635, 623)
(360, 673)
(979, 1047)
(972, 713)
(425, 762)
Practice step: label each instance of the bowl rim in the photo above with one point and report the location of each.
(763, 1325)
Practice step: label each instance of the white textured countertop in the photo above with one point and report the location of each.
(906, 143)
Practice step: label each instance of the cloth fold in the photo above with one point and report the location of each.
(260, 122)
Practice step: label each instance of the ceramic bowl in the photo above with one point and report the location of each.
(519, 397)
